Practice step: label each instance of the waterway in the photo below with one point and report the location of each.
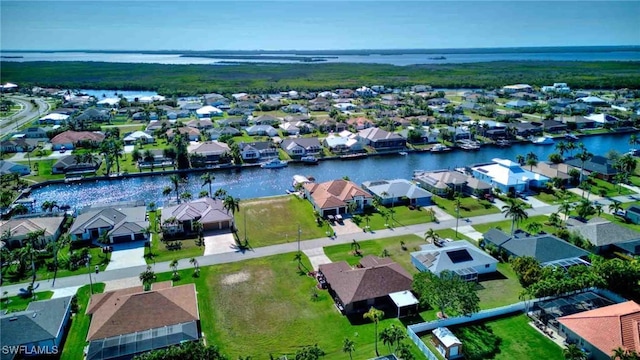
(373, 58)
(257, 182)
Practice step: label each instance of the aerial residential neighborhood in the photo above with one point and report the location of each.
(296, 180)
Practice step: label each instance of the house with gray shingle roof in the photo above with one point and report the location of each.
(118, 223)
(600, 164)
(398, 191)
(43, 324)
(298, 147)
(382, 139)
(209, 212)
(545, 248)
(603, 233)
(9, 167)
(461, 257)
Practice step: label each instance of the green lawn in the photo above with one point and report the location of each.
(19, 303)
(469, 206)
(402, 216)
(611, 190)
(505, 225)
(275, 220)
(42, 273)
(392, 245)
(500, 290)
(160, 252)
(264, 306)
(76, 339)
(522, 341)
(554, 200)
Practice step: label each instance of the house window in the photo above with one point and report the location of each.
(486, 266)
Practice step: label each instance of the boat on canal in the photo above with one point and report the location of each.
(543, 140)
(274, 164)
(310, 159)
(439, 148)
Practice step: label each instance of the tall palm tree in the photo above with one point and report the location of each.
(534, 227)
(355, 246)
(565, 207)
(561, 147)
(515, 210)
(431, 235)
(573, 352)
(196, 266)
(532, 160)
(33, 240)
(584, 156)
(147, 277)
(207, 179)
(633, 140)
(220, 194)
(570, 147)
(231, 204)
(174, 266)
(349, 346)
(176, 180)
(520, 159)
(375, 316)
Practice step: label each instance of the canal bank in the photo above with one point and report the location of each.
(252, 181)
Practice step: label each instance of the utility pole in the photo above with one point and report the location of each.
(299, 231)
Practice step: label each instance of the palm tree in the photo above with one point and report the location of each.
(196, 266)
(534, 227)
(619, 353)
(374, 315)
(561, 147)
(515, 210)
(174, 266)
(520, 159)
(584, 156)
(633, 140)
(147, 277)
(176, 181)
(186, 196)
(532, 160)
(615, 207)
(220, 194)
(231, 204)
(34, 239)
(570, 147)
(431, 235)
(573, 352)
(207, 179)
(585, 208)
(349, 347)
(565, 207)
(355, 246)
(554, 219)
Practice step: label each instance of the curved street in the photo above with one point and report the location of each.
(28, 113)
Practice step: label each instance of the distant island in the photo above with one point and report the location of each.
(259, 57)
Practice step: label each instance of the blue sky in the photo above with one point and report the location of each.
(308, 25)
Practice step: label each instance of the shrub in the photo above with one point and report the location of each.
(479, 342)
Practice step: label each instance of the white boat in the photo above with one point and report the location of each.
(468, 145)
(309, 159)
(274, 164)
(403, 153)
(439, 148)
(543, 140)
(300, 179)
(571, 137)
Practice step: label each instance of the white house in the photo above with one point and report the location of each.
(208, 111)
(344, 141)
(53, 118)
(602, 119)
(508, 176)
(136, 136)
(463, 258)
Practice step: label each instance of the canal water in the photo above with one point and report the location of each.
(257, 182)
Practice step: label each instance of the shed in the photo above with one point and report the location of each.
(447, 343)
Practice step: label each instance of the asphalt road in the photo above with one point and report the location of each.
(28, 113)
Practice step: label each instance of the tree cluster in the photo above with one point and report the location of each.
(446, 292)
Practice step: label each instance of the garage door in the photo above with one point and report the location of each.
(329, 212)
(211, 226)
(121, 239)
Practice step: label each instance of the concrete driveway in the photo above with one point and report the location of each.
(347, 227)
(317, 257)
(219, 243)
(126, 257)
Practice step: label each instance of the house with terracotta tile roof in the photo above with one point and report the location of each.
(209, 212)
(191, 133)
(368, 284)
(602, 330)
(69, 139)
(130, 321)
(334, 197)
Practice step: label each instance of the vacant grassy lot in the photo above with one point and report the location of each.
(554, 200)
(505, 225)
(522, 341)
(394, 217)
(500, 289)
(76, 339)
(275, 220)
(264, 306)
(468, 206)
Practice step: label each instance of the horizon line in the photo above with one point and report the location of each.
(308, 50)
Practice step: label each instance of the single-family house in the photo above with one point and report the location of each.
(603, 166)
(115, 223)
(545, 248)
(258, 150)
(211, 213)
(265, 120)
(130, 321)
(593, 101)
(93, 114)
(234, 121)
(552, 171)
(177, 114)
(360, 123)
(603, 234)
(357, 289)
(295, 108)
(328, 124)
(54, 118)
(261, 130)
(560, 88)
(40, 329)
(345, 141)
(36, 133)
(334, 197)
(154, 158)
(320, 104)
(214, 99)
(138, 136)
(553, 126)
(192, 134)
(207, 153)
(525, 129)
(159, 125)
(438, 101)
(518, 104)
(579, 122)
(461, 257)
(602, 119)
(18, 144)
(208, 111)
(77, 165)
(508, 176)
(381, 139)
(298, 147)
(289, 128)
(71, 139)
(216, 133)
(9, 167)
(398, 192)
(447, 344)
(108, 103)
(419, 135)
(201, 123)
(441, 182)
(509, 89)
(603, 330)
(18, 229)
